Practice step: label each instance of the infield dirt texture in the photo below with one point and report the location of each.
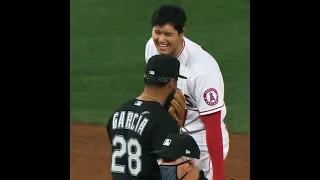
(106, 68)
(90, 154)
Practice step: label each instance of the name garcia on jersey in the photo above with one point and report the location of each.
(130, 120)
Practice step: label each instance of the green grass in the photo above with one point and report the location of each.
(107, 53)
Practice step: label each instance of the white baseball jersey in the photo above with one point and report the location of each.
(204, 92)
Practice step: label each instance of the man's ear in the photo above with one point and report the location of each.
(192, 164)
(170, 84)
(191, 167)
(183, 31)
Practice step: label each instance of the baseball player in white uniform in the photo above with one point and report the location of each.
(203, 88)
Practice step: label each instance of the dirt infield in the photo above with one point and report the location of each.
(89, 154)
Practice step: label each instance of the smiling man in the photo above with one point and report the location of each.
(203, 88)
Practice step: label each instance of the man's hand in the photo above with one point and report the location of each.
(177, 107)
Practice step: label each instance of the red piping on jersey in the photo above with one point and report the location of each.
(211, 109)
(181, 49)
(212, 123)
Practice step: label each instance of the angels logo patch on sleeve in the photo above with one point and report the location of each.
(211, 96)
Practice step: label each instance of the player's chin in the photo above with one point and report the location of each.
(164, 50)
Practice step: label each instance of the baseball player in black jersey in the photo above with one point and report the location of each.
(141, 124)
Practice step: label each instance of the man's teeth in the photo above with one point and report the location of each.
(163, 45)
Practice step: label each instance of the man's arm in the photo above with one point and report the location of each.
(109, 128)
(209, 95)
(212, 123)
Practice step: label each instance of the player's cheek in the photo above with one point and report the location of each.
(173, 46)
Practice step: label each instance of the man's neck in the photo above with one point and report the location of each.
(153, 94)
(179, 49)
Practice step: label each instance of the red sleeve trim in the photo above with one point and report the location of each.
(211, 109)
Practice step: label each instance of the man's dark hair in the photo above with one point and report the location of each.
(171, 14)
(159, 82)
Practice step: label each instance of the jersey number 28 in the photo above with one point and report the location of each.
(126, 148)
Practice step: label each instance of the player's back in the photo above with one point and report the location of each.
(135, 129)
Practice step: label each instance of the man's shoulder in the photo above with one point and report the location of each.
(161, 117)
(150, 43)
(198, 56)
(162, 114)
(149, 40)
(155, 110)
(202, 61)
(126, 104)
(199, 60)
(139, 106)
